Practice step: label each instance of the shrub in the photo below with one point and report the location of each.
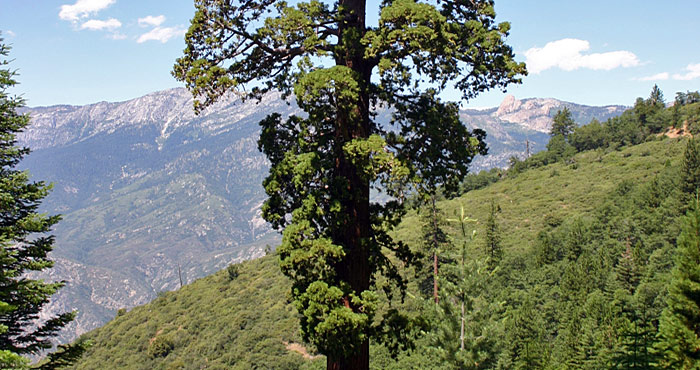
(160, 346)
(232, 271)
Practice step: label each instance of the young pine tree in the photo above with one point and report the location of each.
(463, 325)
(434, 241)
(24, 246)
(493, 237)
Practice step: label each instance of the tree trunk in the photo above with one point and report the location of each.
(359, 360)
(461, 332)
(435, 278)
(435, 253)
(354, 235)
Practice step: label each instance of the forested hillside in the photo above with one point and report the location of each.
(151, 194)
(563, 261)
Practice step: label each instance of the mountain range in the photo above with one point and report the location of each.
(154, 196)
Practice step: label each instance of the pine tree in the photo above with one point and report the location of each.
(563, 124)
(323, 164)
(635, 324)
(680, 321)
(493, 237)
(463, 325)
(690, 170)
(24, 244)
(526, 336)
(434, 241)
(656, 97)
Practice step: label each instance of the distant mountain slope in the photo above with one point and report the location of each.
(246, 322)
(151, 193)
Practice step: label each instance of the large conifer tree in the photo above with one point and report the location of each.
(339, 69)
(24, 245)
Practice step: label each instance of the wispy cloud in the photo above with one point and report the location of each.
(117, 36)
(692, 72)
(151, 21)
(10, 33)
(568, 55)
(162, 34)
(83, 8)
(96, 25)
(663, 76)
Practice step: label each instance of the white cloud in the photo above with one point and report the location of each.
(567, 54)
(95, 24)
(151, 21)
(162, 34)
(117, 36)
(83, 8)
(663, 76)
(693, 72)
(10, 33)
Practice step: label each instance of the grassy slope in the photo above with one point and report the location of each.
(245, 323)
(554, 192)
(213, 323)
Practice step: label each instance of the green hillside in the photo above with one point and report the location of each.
(534, 199)
(244, 320)
(222, 321)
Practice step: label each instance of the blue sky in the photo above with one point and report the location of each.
(589, 52)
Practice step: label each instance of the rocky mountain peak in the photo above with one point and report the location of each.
(535, 114)
(509, 105)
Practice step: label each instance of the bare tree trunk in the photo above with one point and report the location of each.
(179, 273)
(461, 332)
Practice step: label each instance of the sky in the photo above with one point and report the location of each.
(590, 52)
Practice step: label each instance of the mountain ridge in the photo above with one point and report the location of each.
(147, 188)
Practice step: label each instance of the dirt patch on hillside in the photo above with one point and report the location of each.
(298, 348)
(674, 132)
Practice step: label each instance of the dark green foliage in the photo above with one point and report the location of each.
(160, 346)
(690, 170)
(24, 244)
(656, 97)
(336, 242)
(433, 247)
(66, 355)
(680, 322)
(494, 249)
(590, 136)
(232, 271)
(687, 98)
(480, 180)
(562, 124)
(635, 316)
